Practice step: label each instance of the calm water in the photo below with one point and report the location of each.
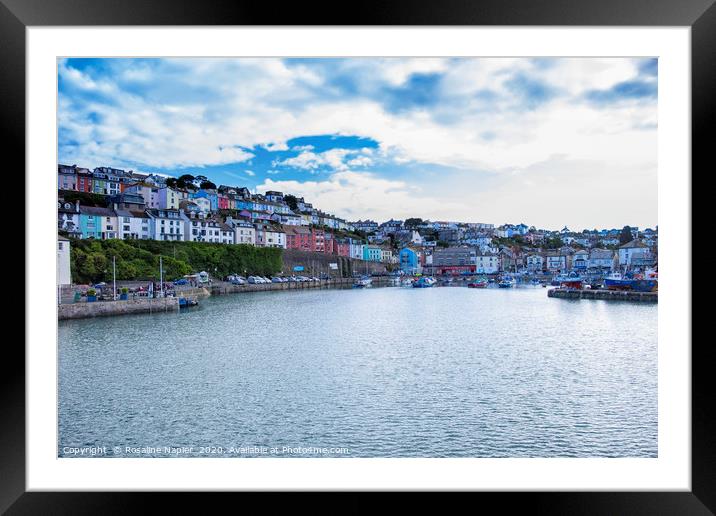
(383, 372)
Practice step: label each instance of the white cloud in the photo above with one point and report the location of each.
(273, 147)
(335, 159)
(250, 173)
(352, 194)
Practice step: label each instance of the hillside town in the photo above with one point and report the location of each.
(110, 203)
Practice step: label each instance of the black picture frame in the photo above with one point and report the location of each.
(700, 15)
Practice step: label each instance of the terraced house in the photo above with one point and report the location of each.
(165, 225)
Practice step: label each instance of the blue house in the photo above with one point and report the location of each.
(372, 253)
(211, 195)
(409, 260)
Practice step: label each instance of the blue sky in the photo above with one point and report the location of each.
(473, 139)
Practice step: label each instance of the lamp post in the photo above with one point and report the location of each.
(114, 277)
(161, 278)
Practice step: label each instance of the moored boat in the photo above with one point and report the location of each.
(507, 282)
(478, 283)
(424, 282)
(363, 282)
(572, 281)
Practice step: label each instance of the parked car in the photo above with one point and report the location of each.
(255, 280)
(181, 281)
(238, 281)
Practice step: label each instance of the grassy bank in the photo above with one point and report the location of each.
(91, 260)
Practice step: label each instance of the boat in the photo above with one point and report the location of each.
(185, 302)
(558, 279)
(572, 281)
(363, 282)
(478, 283)
(646, 282)
(425, 282)
(507, 282)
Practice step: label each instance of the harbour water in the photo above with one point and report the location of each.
(381, 372)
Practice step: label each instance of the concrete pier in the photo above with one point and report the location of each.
(610, 295)
(108, 308)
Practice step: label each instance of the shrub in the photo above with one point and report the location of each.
(91, 260)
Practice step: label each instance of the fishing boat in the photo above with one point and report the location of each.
(572, 281)
(558, 279)
(363, 282)
(407, 282)
(507, 282)
(424, 282)
(478, 283)
(644, 282)
(618, 281)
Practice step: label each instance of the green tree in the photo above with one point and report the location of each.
(625, 236)
(291, 201)
(552, 243)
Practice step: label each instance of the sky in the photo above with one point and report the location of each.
(547, 142)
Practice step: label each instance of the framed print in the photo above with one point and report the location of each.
(417, 253)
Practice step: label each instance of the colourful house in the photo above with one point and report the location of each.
(409, 260)
(372, 253)
(210, 195)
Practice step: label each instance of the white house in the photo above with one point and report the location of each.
(535, 262)
(632, 252)
(556, 261)
(203, 203)
(416, 238)
(270, 236)
(356, 249)
(486, 263)
(68, 218)
(199, 228)
(165, 225)
(244, 232)
(64, 274)
(580, 260)
(290, 218)
(132, 224)
(386, 255)
(601, 259)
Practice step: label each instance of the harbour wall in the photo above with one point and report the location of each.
(109, 308)
(315, 264)
(610, 295)
(222, 288)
